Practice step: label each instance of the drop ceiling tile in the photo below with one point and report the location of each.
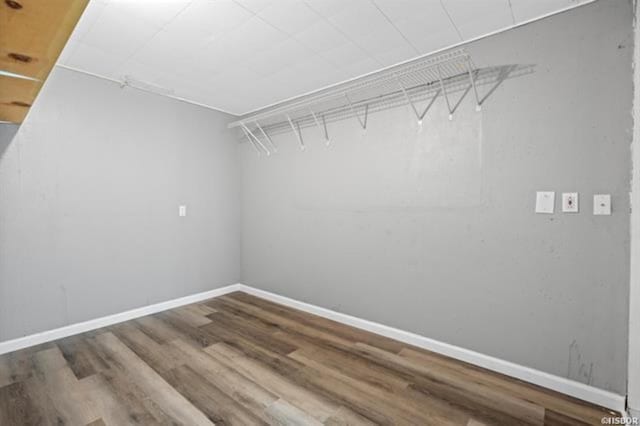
(360, 18)
(68, 50)
(396, 55)
(423, 22)
(291, 16)
(208, 20)
(255, 6)
(90, 15)
(284, 54)
(142, 72)
(428, 38)
(252, 37)
(157, 13)
(523, 10)
(379, 43)
(321, 36)
(329, 8)
(345, 54)
(475, 18)
(92, 59)
(305, 76)
(358, 68)
(168, 50)
(117, 33)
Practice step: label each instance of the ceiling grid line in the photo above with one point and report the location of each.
(415, 49)
(146, 43)
(513, 17)
(288, 34)
(328, 21)
(451, 20)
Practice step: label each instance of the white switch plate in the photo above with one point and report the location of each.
(182, 211)
(602, 204)
(545, 201)
(570, 202)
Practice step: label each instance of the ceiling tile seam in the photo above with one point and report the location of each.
(209, 43)
(513, 17)
(344, 34)
(143, 45)
(80, 39)
(434, 52)
(444, 8)
(395, 27)
(289, 35)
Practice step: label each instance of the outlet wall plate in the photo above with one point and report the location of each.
(545, 202)
(570, 202)
(602, 204)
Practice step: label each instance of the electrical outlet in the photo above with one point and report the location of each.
(570, 202)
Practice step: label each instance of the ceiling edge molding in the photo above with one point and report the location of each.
(124, 83)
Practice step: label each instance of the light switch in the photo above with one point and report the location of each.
(570, 202)
(545, 201)
(182, 211)
(602, 204)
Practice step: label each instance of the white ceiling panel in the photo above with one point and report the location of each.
(118, 32)
(321, 36)
(255, 6)
(328, 8)
(523, 10)
(291, 16)
(240, 55)
(91, 13)
(159, 15)
(90, 58)
(285, 54)
(344, 54)
(474, 18)
(207, 20)
(423, 22)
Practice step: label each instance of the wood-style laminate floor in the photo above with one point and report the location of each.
(242, 360)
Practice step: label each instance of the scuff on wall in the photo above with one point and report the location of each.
(578, 369)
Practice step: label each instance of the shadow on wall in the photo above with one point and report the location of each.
(7, 132)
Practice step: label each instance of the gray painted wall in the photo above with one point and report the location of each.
(435, 232)
(89, 193)
(634, 290)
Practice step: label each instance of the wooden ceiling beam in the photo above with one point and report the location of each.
(32, 36)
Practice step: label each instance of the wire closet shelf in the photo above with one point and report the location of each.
(417, 83)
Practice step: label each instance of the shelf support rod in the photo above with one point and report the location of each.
(253, 144)
(296, 131)
(315, 118)
(256, 139)
(473, 84)
(444, 91)
(267, 137)
(406, 96)
(326, 132)
(363, 124)
(433, 100)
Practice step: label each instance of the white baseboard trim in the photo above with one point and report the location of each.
(560, 384)
(82, 327)
(569, 387)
